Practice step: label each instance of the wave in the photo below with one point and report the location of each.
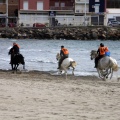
(43, 61)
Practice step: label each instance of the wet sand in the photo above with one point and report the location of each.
(41, 96)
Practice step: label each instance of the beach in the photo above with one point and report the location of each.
(37, 95)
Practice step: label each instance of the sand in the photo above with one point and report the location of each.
(41, 96)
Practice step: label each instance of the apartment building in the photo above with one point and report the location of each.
(64, 12)
(8, 11)
(3, 11)
(33, 11)
(112, 10)
(45, 11)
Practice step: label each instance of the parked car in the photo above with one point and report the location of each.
(9, 25)
(113, 23)
(39, 25)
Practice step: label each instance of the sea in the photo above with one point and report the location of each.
(40, 55)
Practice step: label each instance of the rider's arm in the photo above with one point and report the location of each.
(10, 51)
(98, 51)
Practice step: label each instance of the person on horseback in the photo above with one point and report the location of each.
(102, 51)
(64, 53)
(14, 51)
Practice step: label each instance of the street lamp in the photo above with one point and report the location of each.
(6, 13)
(85, 14)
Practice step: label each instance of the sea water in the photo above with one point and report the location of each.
(40, 55)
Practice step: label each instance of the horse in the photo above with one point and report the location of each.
(106, 65)
(17, 59)
(66, 64)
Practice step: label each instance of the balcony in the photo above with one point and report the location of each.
(2, 8)
(62, 8)
(82, 1)
(81, 11)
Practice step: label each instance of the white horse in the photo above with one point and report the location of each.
(106, 65)
(66, 64)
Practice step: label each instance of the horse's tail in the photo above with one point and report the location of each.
(115, 66)
(73, 64)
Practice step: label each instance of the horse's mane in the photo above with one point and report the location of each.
(93, 51)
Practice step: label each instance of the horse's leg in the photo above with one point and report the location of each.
(100, 73)
(73, 70)
(111, 70)
(16, 66)
(65, 69)
(12, 66)
(66, 74)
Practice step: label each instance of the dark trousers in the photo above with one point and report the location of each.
(11, 58)
(97, 59)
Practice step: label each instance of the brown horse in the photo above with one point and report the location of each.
(17, 59)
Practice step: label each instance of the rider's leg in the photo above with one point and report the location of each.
(60, 62)
(97, 59)
(96, 62)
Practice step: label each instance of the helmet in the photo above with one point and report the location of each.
(62, 46)
(101, 44)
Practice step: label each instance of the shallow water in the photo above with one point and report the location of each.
(41, 54)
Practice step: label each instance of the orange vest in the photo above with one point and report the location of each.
(65, 51)
(102, 50)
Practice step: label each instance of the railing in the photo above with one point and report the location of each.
(61, 20)
(2, 8)
(61, 8)
(81, 10)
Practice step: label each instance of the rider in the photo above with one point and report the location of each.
(102, 50)
(64, 53)
(14, 50)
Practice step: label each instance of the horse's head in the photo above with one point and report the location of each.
(58, 56)
(93, 54)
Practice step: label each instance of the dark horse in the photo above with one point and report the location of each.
(16, 60)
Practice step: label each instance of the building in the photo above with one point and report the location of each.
(112, 10)
(82, 16)
(45, 11)
(13, 6)
(33, 11)
(91, 11)
(3, 12)
(8, 12)
(97, 9)
(64, 12)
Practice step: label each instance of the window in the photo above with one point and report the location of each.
(113, 4)
(25, 5)
(2, 1)
(62, 4)
(56, 4)
(39, 5)
(96, 8)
